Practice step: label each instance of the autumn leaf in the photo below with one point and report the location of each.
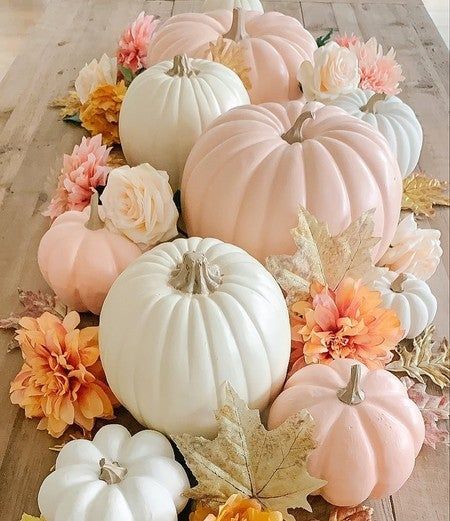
(245, 458)
(359, 513)
(323, 258)
(423, 359)
(232, 56)
(69, 105)
(116, 158)
(421, 193)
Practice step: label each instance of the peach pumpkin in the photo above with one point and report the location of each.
(368, 431)
(80, 258)
(248, 173)
(273, 44)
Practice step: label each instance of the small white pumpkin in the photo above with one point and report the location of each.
(248, 5)
(168, 106)
(186, 317)
(393, 118)
(411, 298)
(115, 477)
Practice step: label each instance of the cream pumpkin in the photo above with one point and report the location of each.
(80, 259)
(168, 106)
(253, 167)
(368, 431)
(193, 314)
(249, 5)
(273, 46)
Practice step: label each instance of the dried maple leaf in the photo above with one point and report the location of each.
(232, 56)
(245, 458)
(69, 105)
(422, 359)
(359, 513)
(421, 193)
(323, 258)
(434, 410)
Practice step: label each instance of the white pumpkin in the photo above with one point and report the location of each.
(168, 106)
(248, 5)
(115, 477)
(411, 298)
(393, 118)
(186, 317)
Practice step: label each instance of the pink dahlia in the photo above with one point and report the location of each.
(346, 40)
(134, 42)
(82, 171)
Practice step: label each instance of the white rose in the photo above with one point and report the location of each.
(335, 72)
(138, 202)
(94, 74)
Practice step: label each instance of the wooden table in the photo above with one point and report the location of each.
(72, 32)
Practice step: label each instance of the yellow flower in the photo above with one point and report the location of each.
(237, 508)
(100, 113)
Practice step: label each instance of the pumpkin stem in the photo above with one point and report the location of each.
(94, 222)
(111, 472)
(294, 134)
(397, 284)
(195, 275)
(237, 30)
(370, 105)
(181, 67)
(352, 394)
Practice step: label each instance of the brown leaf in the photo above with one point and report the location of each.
(323, 258)
(359, 513)
(232, 56)
(245, 458)
(116, 158)
(69, 105)
(421, 193)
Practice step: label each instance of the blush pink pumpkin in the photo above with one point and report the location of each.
(248, 173)
(80, 259)
(273, 45)
(368, 431)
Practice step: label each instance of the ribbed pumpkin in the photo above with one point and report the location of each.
(273, 46)
(249, 5)
(253, 167)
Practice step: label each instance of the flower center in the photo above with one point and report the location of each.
(336, 342)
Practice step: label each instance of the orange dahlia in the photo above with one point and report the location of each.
(237, 508)
(61, 381)
(349, 322)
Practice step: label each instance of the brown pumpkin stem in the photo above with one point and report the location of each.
(181, 67)
(294, 134)
(397, 284)
(111, 473)
(94, 222)
(195, 275)
(237, 30)
(370, 105)
(352, 394)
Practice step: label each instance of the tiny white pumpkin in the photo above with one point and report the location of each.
(168, 106)
(393, 118)
(411, 298)
(248, 5)
(115, 477)
(186, 317)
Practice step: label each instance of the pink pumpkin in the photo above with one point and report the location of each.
(368, 431)
(248, 173)
(80, 259)
(273, 45)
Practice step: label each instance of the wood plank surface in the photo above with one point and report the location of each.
(72, 32)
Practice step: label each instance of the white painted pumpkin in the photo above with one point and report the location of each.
(393, 118)
(185, 318)
(168, 106)
(248, 5)
(115, 477)
(411, 298)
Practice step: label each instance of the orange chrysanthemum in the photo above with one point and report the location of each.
(237, 508)
(347, 323)
(61, 381)
(100, 113)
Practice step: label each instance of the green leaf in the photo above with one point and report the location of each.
(75, 119)
(325, 38)
(128, 75)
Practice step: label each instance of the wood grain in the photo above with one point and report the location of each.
(69, 34)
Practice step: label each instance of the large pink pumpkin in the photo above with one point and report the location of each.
(80, 258)
(248, 173)
(273, 44)
(368, 431)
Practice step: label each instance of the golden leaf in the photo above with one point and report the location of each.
(116, 158)
(422, 359)
(69, 104)
(245, 458)
(421, 193)
(323, 258)
(231, 55)
(27, 517)
(359, 513)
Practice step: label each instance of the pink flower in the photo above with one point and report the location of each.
(134, 42)
(82, 171)
(346, 40)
